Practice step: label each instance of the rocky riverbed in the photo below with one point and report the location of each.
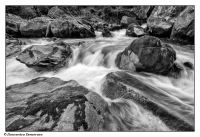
(99, 68)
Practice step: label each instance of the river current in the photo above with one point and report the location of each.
(92, 61)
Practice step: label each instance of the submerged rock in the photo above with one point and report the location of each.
(147, 54)
(123, 85)
(106, 33)
(162, 18)
(135, 30)
(71, 28)
(50, 104)
(174, 71)
(46, 57)
(183, 29)
(13, 47)
(188, 65)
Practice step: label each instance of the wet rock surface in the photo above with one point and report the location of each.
(65, 27)
(13, 47)
(162, 18)
(25, 12)
(12, 25)
(147, 54)
(174, 71)
(35, 28)
(123, 85)
(142, 12)
(126, 21)
(188, 65)
(46, 57)
(50, 104)
(183, 29)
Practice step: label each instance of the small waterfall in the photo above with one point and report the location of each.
(94, 59)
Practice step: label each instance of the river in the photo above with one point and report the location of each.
(92, 61)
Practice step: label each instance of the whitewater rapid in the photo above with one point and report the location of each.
(92, 61)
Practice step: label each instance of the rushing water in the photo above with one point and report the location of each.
(92, 61)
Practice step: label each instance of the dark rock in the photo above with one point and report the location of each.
(183, 29)
(127, 21)
(162, 18)
(114, 27)
(71, 28)
(135, 30)
(106, 33)
(46, 57)
(174, 71)
(142, 12)
(123, 85)
(42, 10)
(97, 23)
(50, 104)
(189, 65)
(55, 12)
(13, 47)
(36, 27)
(114, 15)
(147, 54)
(77, 43)
(55, 39)
(89, 21)
(25, 12)
(99, 26)
(12, 25)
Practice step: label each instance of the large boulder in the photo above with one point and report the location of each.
(36, 27)
(13, 47)
(114, 14)
(142, 12)
(71, 28)
(122, 85)
(12, 25)
(127, 21)
(46, 57)
(25, 12)
(147, 54)
(55, 12)
(135, 30)
(162, 18)
(42, 10)
(50, 104)
(183, 29)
